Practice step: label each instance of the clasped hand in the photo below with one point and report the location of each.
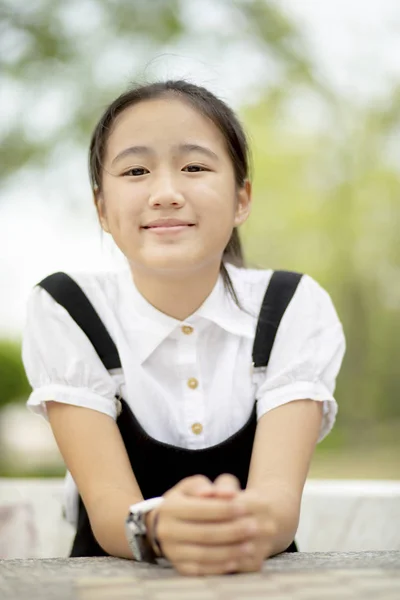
(211, 528)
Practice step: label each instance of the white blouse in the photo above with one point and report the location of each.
(188, 383)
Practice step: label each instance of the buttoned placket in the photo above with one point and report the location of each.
(191, 385)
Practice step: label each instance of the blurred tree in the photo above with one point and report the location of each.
(13, 382)
(326, 202)
(76, 55)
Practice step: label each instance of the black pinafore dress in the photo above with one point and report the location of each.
(158, 466)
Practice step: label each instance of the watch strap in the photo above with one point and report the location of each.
(154, 535)
(139, 545)
(136, 531)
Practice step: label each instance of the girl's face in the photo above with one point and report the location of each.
(164, 160)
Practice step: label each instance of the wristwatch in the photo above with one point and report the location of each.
(135, 528)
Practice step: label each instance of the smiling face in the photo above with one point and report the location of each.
(165, 160)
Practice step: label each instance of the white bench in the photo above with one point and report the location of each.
(336, 515)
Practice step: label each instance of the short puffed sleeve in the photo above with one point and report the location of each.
(60, 361)
(306, 355)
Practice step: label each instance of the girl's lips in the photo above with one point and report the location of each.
(170, 229)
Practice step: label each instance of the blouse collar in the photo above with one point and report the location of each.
(154, 326)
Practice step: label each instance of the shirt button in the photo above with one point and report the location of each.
(186, 329)
(197, 428)
(192, 383)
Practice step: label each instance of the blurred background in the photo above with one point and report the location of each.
(317, 86)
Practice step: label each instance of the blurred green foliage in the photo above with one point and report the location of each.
(14, 385)
(328, 203)
(48, 46)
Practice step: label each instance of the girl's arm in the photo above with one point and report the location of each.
(283, 447)
(94, 453)
(284, 444)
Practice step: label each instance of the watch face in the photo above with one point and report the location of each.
(133, 535)
(136, 531)
(136, 548)
(138, 524)
(137, 540)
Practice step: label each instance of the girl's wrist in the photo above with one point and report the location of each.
(154, 534)
(151, 526)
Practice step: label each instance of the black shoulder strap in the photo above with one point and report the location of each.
(280, 291)
(68, 293)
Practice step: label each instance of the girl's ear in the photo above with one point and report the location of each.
(243, 205)
(101, 209)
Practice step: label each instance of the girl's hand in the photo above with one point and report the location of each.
(201, 533)
(267, 530)
(228, 486)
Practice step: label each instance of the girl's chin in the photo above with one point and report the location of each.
(167, 261)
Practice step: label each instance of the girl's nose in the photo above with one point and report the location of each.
(165, 193)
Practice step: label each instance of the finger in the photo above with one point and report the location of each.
(218, 492)
(193, 569)
(185, 508)
(195, 485)
(250, 565)
(210, 554)
(225, 532)
(227, 485)
(226, 481)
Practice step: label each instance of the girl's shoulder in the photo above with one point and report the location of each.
(104, 289)
(251, 284)
(246, 280)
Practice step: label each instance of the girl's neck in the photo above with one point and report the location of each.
(178, 295)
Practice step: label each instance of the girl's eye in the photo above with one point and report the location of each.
(135, 172)
(195, 168)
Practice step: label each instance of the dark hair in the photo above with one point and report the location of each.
(207, 104)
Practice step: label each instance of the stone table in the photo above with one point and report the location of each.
(304, 575)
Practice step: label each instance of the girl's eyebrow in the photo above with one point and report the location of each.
(132, 150)
(187, 148)
(181, 148)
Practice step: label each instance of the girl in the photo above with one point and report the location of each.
(178, 440)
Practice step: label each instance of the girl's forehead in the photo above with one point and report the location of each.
(162, 121)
